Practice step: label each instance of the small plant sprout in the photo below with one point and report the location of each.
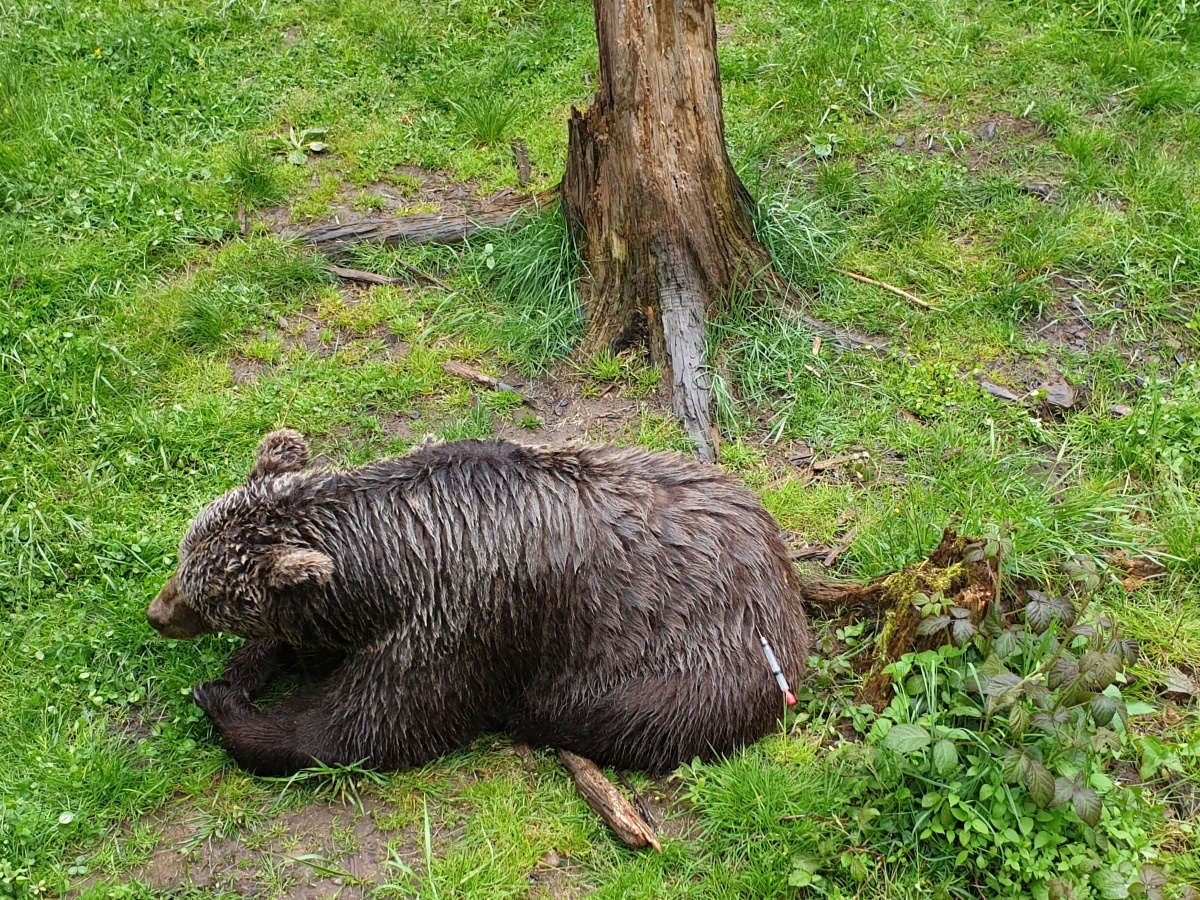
(297, 145)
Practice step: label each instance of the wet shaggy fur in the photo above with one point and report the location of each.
(606, 601)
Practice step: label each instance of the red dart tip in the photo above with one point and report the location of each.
(791, 698)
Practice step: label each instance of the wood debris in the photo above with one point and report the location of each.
(609, 803)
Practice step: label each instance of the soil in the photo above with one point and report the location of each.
(275, 865)
(329, 848)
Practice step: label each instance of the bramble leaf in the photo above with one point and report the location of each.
(1040, 783)
(1015, 765)
(1064, 789)
(1001, 684)
(962, 631)
(1104, 707)
(1087, 805)
(932, 625)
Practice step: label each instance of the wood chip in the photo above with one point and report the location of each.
(998, 391)
(816, 346)
(1120, 411)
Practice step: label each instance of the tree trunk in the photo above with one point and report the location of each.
(661, 218)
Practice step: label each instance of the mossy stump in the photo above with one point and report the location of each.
(966, 583)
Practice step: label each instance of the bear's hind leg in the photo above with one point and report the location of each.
(653, 723)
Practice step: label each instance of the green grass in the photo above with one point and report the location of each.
(134, 137)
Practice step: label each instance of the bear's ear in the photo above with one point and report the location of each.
(290, 566)
(280, 451)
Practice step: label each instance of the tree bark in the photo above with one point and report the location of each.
(661, 219)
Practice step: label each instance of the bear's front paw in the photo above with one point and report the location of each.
(219, 698)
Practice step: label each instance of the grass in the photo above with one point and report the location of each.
(134, 136)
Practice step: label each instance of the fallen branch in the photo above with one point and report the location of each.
(427, 228)
(462, 370)
(899, 292)
(609, 803)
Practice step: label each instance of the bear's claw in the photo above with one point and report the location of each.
(213, 696)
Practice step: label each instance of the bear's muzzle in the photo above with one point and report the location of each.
(171, 617)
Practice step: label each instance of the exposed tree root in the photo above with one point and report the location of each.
(428, 228)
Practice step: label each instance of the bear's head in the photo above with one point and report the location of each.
(241, 551)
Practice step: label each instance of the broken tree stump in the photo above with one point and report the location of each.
(954, 569)
(609, 803)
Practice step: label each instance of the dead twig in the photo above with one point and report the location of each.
(834, 462)
(609, 803)
(424, 276)
(347, 274)
(358, 275)
(808, 551)
(899, 292)
(462, 370)
(521, 157)
(841, 548)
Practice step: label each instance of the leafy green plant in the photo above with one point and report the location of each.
(928, 390)
(996, 749)
(1165, 432)
(297, 145)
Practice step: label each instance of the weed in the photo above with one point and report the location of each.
(296, 146)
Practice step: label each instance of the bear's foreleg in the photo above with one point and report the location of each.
(256, 664)
(253, 666)
(277, 741)
(364, 711)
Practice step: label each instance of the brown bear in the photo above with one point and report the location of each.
(611, 602)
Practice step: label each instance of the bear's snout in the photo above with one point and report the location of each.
(171, 617)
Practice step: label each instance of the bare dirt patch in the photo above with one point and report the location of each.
(1069, 323)
(933, 130)
(572, 408)
(324, 849)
